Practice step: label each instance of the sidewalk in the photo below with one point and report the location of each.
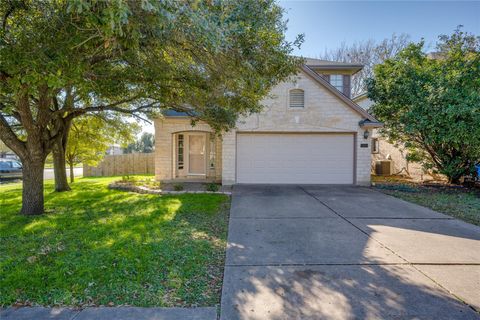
(105, 313)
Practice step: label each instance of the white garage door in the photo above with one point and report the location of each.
(295, 158)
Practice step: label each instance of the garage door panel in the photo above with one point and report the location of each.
(295, 158)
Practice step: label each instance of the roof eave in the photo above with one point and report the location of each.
(354, 68)
(370, 124)
(360, 97)
(337, 93)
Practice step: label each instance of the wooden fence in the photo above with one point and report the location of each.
(123, 164)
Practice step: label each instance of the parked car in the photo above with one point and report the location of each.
(10, 169)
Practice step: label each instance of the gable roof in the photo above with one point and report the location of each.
(319, 79)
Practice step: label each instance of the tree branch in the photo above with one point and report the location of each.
(24, 111)
(111, 107)
(10, 138)
(44, 103)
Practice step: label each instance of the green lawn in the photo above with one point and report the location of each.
(97, 246)
(459, 203)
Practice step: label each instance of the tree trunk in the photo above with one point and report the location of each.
(72, 176)
(32, 194)
(59, 168)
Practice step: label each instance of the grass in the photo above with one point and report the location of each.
(461, 203)
(97, 246)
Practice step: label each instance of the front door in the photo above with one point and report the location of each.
(196, 154)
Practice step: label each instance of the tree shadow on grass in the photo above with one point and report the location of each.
(97, 246)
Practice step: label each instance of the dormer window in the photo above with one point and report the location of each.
(336, 80)
(297, 98)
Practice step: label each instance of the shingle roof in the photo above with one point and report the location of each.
(320, 62)
(360, 96)
(174, 113)
(308, 67)
(332, 65)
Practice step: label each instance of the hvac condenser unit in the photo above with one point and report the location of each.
(384, 168)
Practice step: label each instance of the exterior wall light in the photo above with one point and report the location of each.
(366, 134)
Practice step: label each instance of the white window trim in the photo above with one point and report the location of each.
(375, 145)
(339, 87)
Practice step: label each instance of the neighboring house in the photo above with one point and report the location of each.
(309, 132)
(114, 150)
(383, 150)
(6, 153)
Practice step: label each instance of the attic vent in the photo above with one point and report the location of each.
(297, 98)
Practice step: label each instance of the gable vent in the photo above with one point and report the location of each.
(297, 98)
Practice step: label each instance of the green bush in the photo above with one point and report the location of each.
(128, 178)
(178, 187)
(212, 187)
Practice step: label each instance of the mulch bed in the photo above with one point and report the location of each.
(407, 186)
(168, 188)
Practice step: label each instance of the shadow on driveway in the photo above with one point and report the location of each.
(331, 252)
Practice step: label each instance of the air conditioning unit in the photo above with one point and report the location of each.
(384, 167)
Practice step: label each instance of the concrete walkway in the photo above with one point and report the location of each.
(318, 252)
(115, 313)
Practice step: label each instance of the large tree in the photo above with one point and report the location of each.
(91, 136)
(59, 160)
(62, 59)
(431, 103)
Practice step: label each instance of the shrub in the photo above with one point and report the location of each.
(178, 187)
(212, 187)
(151, 183)
(128, 178)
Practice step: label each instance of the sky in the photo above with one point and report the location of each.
(326, 24)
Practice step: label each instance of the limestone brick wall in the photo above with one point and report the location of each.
(229, 145)
(323, 112)
(164, 145)
(401, 166)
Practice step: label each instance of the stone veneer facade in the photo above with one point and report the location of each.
(323, 113)
(165, 130)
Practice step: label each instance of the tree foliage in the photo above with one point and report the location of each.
(144, 144)
(431, 103)
(90, 137)
(63, 59)
(3, 148)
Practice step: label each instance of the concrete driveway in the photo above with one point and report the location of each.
(331, 252)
